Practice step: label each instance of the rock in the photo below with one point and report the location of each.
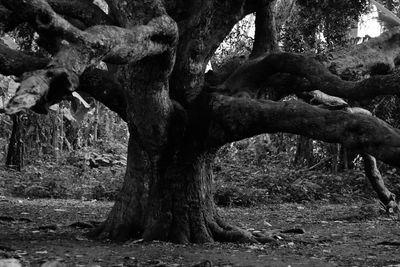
(10, 263)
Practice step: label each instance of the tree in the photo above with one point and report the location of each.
(157, 52)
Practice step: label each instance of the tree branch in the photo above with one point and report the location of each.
(239, 118)
(109, 43)
(82, 10)
(255, 74)
(103, 87)
(85, 11)
(359, 60)
(265, 39)
(13, 62)
(99, 84)
(5, 15)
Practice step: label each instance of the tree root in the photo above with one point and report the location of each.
(115, 232)
(223, 232)
(392, 206)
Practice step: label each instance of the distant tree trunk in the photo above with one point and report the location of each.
(56, 135)
(96, 121)
(15, 154)
(334, 152)
(304, 151)
(347, 157)
(62, 134)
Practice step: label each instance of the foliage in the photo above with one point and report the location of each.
(237, 43)
(313, 19)
(243, 181)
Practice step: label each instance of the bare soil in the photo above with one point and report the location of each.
(350, 234)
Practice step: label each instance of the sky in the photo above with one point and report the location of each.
(369, 25)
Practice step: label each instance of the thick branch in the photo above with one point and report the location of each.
(85, 11)
(108, 43)
(265, 39)
(202, 27)
(238, 118)
(98, 83)
(103, 87)
(5, 15)
(256, 73)
(13, 62)
(82, 10)
(359, 60)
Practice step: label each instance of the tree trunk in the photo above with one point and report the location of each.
(15, 154)
(126, 219)
(304, 151)
(96, 121)
(169, 200)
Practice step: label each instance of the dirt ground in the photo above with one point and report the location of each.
(353, 234)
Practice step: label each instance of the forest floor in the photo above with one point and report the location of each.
(352, 234)
(329, 219)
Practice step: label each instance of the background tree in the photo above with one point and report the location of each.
(157, 52)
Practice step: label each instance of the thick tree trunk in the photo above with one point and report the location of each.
(169, 200)
(180, 203)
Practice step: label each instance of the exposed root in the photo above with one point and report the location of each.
(392, 206)
(115, 232)
(97, 232)
(226, 233)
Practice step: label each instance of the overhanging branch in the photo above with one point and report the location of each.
(103, 87)
(256, 73)
(239, 118)
(13, 62)
(87, 48)
(99, 84)
(25, 11)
